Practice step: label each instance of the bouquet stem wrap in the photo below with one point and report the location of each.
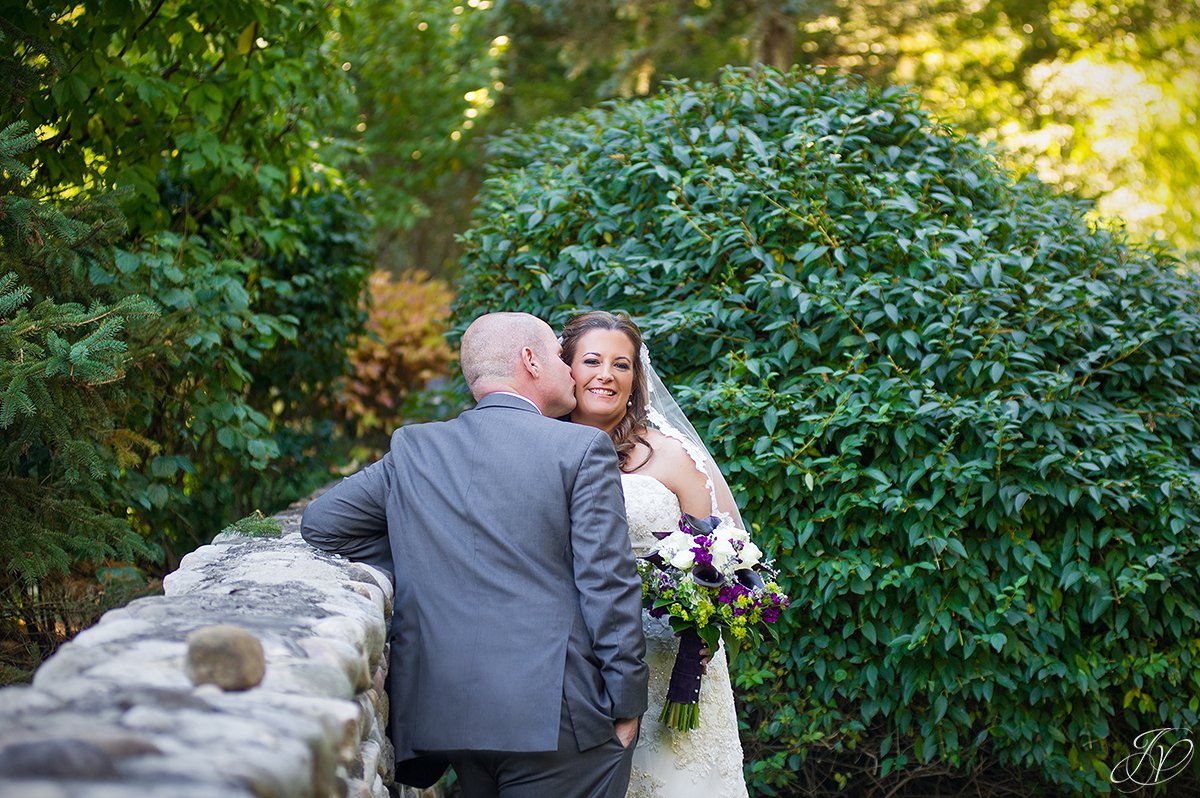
(682, 709)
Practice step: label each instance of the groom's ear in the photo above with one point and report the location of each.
(530, 361)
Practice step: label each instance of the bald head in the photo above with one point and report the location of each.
(491, 348)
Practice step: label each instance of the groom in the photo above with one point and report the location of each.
(516, 648)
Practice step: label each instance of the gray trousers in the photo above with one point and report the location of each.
(600, 772)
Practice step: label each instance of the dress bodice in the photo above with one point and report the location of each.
(650, 507)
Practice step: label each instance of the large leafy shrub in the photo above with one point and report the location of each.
(962, 415)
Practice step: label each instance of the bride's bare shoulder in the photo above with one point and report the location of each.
(669, 460)
(665, 445)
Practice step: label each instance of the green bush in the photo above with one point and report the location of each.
(960, 413)
(236, 403)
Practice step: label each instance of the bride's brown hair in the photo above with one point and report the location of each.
(630, 431)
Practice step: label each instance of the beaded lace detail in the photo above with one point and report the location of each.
(668, 764)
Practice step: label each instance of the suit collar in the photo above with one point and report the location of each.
(509, 400)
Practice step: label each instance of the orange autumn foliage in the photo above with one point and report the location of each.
(403, 349)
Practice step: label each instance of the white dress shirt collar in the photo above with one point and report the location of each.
(519, 396)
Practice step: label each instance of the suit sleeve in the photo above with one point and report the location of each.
(610, 591)
(351, 517)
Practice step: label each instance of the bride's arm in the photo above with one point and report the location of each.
(671, 464)
(674, 467)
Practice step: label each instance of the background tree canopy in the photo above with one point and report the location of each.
(1099, 98)
(962, 414)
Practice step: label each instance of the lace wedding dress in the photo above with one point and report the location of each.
(705, 762)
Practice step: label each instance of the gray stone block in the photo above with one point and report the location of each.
(113, 714)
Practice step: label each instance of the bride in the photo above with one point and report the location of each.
(666, 470)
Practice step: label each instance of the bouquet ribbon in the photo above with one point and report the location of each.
(681, 710)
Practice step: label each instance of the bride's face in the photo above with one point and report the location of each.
(603, 372)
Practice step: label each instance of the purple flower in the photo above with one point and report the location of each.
(771, 614)
(729, 594)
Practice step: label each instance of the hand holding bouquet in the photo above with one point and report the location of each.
(705, 577)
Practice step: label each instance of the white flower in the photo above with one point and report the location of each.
(733, 533)
(684, 559)
(724, 554)
(671, 545)
(750, 555)
(723, 547)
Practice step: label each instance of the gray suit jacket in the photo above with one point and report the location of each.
(516, 588)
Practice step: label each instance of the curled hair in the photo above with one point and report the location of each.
(631, 429)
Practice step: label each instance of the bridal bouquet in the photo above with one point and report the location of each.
(705, 577)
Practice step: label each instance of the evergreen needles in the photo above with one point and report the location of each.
(61, 364)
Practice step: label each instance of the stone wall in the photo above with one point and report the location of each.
(134, 708)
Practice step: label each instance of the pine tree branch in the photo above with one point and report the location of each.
(123, 306)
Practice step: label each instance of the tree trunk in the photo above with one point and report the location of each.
(775, 43)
